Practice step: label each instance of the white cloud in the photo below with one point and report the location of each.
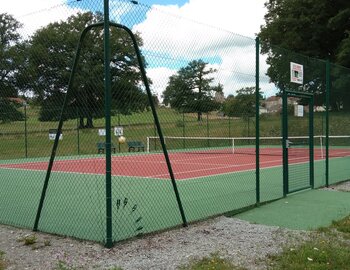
(209, 30)
(160, 77)
(35, 14)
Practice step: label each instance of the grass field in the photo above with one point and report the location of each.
(14, 143)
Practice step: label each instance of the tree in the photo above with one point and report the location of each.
(298, 30)
(191, 89)
(241, 105)
(10, 57)
(51, 56)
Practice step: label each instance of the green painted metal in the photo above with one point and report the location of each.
(311, 141)
(328, 90)
(310, 98)
(25, 130)
(108, 97)
(285, 142)
(156, 120)
(60, 124)
(257, 118)
(78, 133)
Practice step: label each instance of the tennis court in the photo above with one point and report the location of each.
(186, 165)
(211, 180)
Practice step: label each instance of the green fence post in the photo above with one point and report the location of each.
(156, 121)
(208, 132)
(229, 126)
(78, 131)
(60, 125)
(25, 130)
(284, 141)
(328, 90)
(183, 129)
(257, 123)
(107, 86)
(311, 141)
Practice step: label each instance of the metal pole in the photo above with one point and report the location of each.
(107, 87)
(229, 126)
(328, 90)
(78, 132)
(284, 142)
(208, 129)
(60, 125)
(257, 131)
(311, 141)
(25, 130)
(156, 121)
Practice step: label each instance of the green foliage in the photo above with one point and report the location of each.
(214, 261)
(2, 261)
(191, 90)
(10, 55)
(319, 253)
(30, 239)
(342, 225)
(61, 265)
(9, 112)
(51, 54)
(298, 30)
(242, 105)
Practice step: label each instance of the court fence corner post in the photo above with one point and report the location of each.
(107, 88)
(257, 124)
(328, 89)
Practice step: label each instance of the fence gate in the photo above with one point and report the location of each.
(298, 143)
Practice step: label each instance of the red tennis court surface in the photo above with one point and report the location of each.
(185, 165)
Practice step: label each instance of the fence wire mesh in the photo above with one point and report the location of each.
(205, 97)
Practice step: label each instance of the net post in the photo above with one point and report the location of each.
(321, 146)
(233, 145)
(147, 144)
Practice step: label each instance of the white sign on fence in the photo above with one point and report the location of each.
(299, 110)
(296, 73)
(52, 134)
(101, 132)
(118, 131)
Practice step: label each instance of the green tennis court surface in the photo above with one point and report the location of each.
(303, 211)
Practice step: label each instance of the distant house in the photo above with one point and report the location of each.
(219, 97)
(274, 104)
(17, 100)
(262, 110)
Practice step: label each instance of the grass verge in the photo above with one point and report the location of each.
(214, 261)
(2, 260)
(329, 248)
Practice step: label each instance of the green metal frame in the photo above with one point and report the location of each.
(310, 97)
(257, 119)
(106, 25)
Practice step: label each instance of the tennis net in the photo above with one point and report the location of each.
(272, 146)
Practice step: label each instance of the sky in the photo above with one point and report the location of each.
(174, 32)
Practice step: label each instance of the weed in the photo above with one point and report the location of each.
(30, 240)
(2, 260)
(214, 261)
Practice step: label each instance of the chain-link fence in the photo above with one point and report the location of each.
(129, 161)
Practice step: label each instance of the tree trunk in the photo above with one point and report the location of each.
(81, 122)
(89, 123)
(199, 116)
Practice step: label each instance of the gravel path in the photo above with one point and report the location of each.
(243, 243)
